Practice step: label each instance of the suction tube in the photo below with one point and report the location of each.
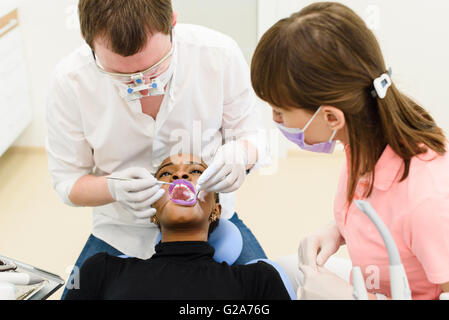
(398, 278)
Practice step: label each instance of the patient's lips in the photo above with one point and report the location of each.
(182, 192)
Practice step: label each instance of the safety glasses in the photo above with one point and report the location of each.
(145, 75)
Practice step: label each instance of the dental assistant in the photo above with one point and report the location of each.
(324, 75)
(143, 88)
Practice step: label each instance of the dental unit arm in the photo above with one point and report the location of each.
(400, 289)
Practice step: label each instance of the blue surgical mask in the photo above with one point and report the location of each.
(297, 136)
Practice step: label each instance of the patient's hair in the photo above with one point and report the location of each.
(125, 24)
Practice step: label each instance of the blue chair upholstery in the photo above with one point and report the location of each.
(287, 283)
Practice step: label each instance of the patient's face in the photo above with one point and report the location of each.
(173, 215)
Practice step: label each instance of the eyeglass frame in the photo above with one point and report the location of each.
(136, 74)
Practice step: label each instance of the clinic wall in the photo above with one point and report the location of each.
(50, 31)
(414, 37)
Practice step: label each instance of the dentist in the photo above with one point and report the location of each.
(323, 74)
(141, 89)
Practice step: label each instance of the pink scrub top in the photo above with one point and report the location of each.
(416, 211)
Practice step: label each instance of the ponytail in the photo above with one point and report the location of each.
(409, 129)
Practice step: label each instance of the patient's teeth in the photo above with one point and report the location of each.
(186, 196)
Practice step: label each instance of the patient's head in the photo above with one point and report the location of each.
(185, 222)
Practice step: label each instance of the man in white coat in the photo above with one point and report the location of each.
(141, 89)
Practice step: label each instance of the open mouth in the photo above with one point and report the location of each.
(182, 192)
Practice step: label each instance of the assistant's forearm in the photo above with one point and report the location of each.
(90, 191)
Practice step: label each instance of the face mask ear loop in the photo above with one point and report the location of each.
(313, 117)
(333, 136)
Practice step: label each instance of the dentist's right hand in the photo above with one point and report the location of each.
(315, 249)
(138, 194)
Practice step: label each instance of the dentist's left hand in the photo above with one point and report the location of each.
(227, 170)
(137, 195)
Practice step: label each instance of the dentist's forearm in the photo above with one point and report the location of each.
(91, 191)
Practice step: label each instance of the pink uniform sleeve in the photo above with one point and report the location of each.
(430, 238)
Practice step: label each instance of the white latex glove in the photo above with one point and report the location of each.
(321, 284)
(315, 249)
(137, 195)
(7, 291)
(227, 170)
(444, 296)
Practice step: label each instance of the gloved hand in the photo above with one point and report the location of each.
(316, 248)
(137, 195)
(321, 284)
(227, 170)
(444, 296)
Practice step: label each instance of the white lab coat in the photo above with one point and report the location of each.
(92, 129)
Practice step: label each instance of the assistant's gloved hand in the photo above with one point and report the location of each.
(227, 170)
(321, 284)
(315, 249)
(137, 195)
(444, 296)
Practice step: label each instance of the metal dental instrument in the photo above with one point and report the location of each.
(400, 289)
(126, 179)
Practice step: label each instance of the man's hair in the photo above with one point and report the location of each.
(124, 24)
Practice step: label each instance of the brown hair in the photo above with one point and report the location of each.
(125, 24)
(326, 55)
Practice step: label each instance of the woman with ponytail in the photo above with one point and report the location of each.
(323, 73)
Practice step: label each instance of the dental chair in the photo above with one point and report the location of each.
(227, 241)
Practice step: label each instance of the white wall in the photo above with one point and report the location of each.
(414, 36)
(15, 106)
(236, 18)
(51, 31)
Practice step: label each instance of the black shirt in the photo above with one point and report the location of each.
(178, 270)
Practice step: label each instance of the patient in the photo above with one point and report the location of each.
(182, 267)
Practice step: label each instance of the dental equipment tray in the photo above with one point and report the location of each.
(40, 291)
